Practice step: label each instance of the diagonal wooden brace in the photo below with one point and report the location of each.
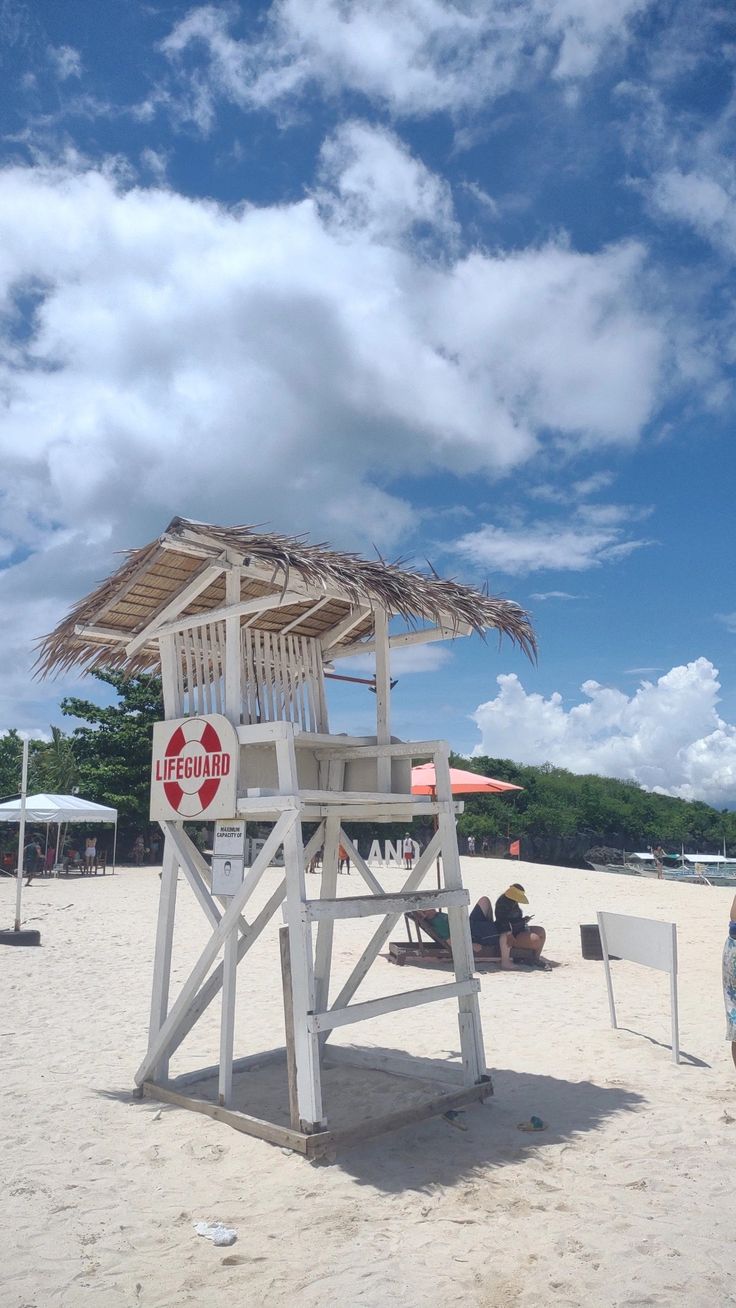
(213, 984)
(381, 935)
(228, 921)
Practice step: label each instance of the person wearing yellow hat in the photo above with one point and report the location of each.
(509, 917)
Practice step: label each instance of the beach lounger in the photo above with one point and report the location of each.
(423, 953)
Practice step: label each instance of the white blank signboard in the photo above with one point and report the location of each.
(645, 941)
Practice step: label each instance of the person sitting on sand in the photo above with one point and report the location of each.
(509, 917)
(729, 980)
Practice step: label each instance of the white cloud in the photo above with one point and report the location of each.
(282, 364)
(728, 620)
(667, 736)
(417, 58)
(707, 203)
(555, 594)
(556, 546)
(66, 61)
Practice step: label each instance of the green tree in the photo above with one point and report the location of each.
(113, 751)
(53, 767)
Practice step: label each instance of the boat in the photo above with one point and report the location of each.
(694, 869)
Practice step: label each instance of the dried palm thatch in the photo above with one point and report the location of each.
(96, 631)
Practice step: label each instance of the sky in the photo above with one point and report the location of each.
(447, 279)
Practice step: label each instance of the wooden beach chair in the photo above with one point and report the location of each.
(420, 953)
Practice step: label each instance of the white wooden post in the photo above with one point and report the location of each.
(233, 709)
(227, 1017)
(306, 1043)
(383, 698)
(169, 879)
(673, 1000)
(325, 929)
(471, 1035)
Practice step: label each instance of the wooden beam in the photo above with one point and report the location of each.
(214, 944)
(286, 988)
(233, 666)
(213, 984)
(383, 700)
(304, 616)
(471, 1033)
(376, 905)
(381, 935)
(402, 639)
(101, 633)
(134, 577)
(355, 855)
(257, 604)
(244, 1122)
(396, 749)
(390, 1004)
(331, 638)
(199, 582)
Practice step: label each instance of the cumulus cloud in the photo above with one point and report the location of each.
(668, 736)
(285, 363)
(195, 357)
(417, 58)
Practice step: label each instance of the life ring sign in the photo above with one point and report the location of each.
(194, 769)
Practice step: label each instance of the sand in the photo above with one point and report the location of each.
(625, 1199)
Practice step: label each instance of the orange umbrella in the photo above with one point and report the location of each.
(424, 782)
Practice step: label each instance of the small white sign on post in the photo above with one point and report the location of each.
(228, 856)
(646, 941)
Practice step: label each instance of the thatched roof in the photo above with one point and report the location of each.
(315, 591)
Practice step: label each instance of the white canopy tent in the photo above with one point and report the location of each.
(61, 810)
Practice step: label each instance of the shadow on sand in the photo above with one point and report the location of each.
(434, 1152)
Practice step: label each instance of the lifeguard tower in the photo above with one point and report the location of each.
(244, 628)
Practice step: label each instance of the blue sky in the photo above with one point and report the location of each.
(454, 280)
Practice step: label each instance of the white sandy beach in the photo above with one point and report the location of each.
(625, 1199)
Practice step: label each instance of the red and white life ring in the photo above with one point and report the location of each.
(193, 767)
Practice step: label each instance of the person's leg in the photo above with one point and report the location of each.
(528, 940)
(733, 1051)
(507, 963)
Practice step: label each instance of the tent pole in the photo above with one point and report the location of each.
(21, 835)
(114, 845)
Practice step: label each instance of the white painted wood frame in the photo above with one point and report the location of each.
(471, 1033)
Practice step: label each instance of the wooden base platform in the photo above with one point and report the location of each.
(379, 1086)
(430, 954)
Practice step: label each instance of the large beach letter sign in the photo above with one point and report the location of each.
(194, 770)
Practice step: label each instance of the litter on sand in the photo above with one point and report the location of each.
(216, 1232)
(454, 1118)
(534, 1124)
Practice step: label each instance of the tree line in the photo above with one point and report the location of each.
(558, 816)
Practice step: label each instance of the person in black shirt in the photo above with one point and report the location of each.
(509, 917)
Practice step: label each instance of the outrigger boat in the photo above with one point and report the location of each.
(696, 869)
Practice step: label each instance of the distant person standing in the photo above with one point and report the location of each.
(484, 847)
(90, 852)
(408, 851)
(729, 981)
(659, 856)
(343, 862)
(471, 845)
(139, 851)
(31, 856)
